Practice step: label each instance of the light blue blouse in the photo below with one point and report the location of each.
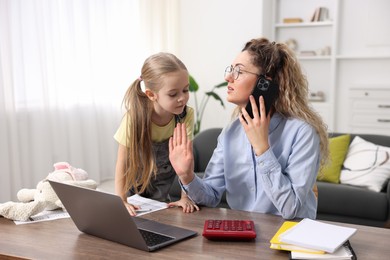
(279, 182)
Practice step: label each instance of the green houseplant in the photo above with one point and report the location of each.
(200, 107)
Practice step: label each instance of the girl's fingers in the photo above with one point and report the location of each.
(183, 134)
(179, 134)
(132, 209)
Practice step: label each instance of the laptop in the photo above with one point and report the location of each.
(104, 215)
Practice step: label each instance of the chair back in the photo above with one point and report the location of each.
(203, 146)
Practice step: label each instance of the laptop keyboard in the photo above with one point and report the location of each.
(153, 239)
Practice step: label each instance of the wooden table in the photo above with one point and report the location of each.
(60, 239)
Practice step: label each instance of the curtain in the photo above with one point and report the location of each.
(64, 68)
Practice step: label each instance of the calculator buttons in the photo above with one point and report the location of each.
(229, 229)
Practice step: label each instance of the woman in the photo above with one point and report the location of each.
(267, 163)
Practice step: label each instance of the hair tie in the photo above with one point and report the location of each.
(140, 78)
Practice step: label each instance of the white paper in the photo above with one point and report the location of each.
(46, 215)
(317, 235)
(146, 205)
(340, 253)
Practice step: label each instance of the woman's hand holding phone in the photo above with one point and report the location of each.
(256, 128)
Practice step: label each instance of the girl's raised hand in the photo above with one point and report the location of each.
(180, 154)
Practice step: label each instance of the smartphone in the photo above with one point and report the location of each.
(266, 88)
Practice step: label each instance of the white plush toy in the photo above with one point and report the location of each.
(34, 201)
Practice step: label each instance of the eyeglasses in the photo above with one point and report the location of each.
(236, 71)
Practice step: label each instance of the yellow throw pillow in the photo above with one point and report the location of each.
(338, 148)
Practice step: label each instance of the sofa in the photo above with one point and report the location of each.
(336, 202)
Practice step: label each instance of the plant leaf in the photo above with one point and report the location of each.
(193, 85)
(220, 85)
(215, 96)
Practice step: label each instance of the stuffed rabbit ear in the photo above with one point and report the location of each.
(61, 166)
(77, 174)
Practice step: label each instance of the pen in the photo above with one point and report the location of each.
(142, 210)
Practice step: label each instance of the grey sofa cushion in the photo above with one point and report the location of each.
(346, 200)
(204, 145)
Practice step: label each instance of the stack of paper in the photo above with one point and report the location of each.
(317, 235)
(310, 239)
(279, 245)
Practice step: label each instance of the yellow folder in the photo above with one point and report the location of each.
(277, 244)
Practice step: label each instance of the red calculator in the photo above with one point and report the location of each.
(239, 230)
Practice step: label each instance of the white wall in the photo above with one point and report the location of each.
(212, 33)
(365, 32)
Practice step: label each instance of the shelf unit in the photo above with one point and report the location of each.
(304, 24)
(312, 36)
(360, 55)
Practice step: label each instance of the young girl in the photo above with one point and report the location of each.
(267, 163)
(143, 165)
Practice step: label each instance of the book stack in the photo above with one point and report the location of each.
(311, 239)
(320, 14)
(292, 20)
(318, 96)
